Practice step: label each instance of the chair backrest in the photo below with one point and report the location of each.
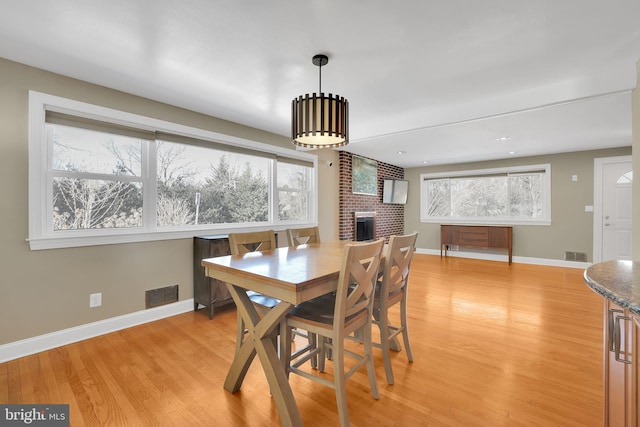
(300, 236)
(357, 280)
(397, 262)
(241, 243)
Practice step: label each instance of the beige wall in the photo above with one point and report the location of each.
(328, 200)
(635, 130)
(48, 290)
(571, 227)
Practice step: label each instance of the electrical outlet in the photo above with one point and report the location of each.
(95, 300)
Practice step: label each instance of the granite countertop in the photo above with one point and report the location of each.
(618, 281)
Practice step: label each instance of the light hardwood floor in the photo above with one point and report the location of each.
(493, 344)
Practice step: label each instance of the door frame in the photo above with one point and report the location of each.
(598, 165)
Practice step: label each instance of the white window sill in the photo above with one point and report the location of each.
(484, 221)
(114, 239)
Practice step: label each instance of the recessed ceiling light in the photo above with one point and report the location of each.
(402, 152)
(426, 161)
(503, 138)
(512, 152)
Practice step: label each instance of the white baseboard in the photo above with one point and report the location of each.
(17, 349)
(504, 257)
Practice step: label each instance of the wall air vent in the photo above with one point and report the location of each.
(575, 256)
(161, 296)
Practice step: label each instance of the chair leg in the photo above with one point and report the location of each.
(313, 344)
(405, 328)
(394, 345)
(368, 353)
(322, 355)
(328, 350)
(339, 381)
(383, 325)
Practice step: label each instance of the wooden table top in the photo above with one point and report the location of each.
(293, 274)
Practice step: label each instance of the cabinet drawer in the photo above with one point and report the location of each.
(500, 237)
(474, 236)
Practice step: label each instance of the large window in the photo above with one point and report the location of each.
(518, 195)
(103, 176)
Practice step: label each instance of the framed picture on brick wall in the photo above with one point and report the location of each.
(364, 179)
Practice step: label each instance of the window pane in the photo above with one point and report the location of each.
(199, 185)
(627, 178)
(82, 150)
(526, 196)
(91, 203)
(292, 176)
(479, 197)
(293, 191)
(439, 198)
(293, 205)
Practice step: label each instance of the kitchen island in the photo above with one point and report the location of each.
(619, 283)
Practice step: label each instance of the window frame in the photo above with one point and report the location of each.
(546, 186)
(41, 236)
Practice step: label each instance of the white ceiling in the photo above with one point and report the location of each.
(441, 80)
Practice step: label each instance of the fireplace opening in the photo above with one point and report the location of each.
(365, 226)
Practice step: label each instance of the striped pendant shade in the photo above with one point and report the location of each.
(320, 121)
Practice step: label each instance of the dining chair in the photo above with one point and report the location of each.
(391, 289)
(301, 236)
(241, 243)
(332, 317)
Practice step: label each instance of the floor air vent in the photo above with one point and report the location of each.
(161, 296)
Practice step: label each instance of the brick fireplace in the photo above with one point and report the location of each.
(389, 219)
(365, 226)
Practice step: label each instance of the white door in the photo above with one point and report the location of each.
(612, 224)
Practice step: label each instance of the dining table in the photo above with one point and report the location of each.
(293, 275)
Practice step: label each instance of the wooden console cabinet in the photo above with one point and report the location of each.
(477, 236)
(209, 292)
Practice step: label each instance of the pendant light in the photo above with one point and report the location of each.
(317, 120)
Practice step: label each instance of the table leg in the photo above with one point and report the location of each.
(259, 341)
